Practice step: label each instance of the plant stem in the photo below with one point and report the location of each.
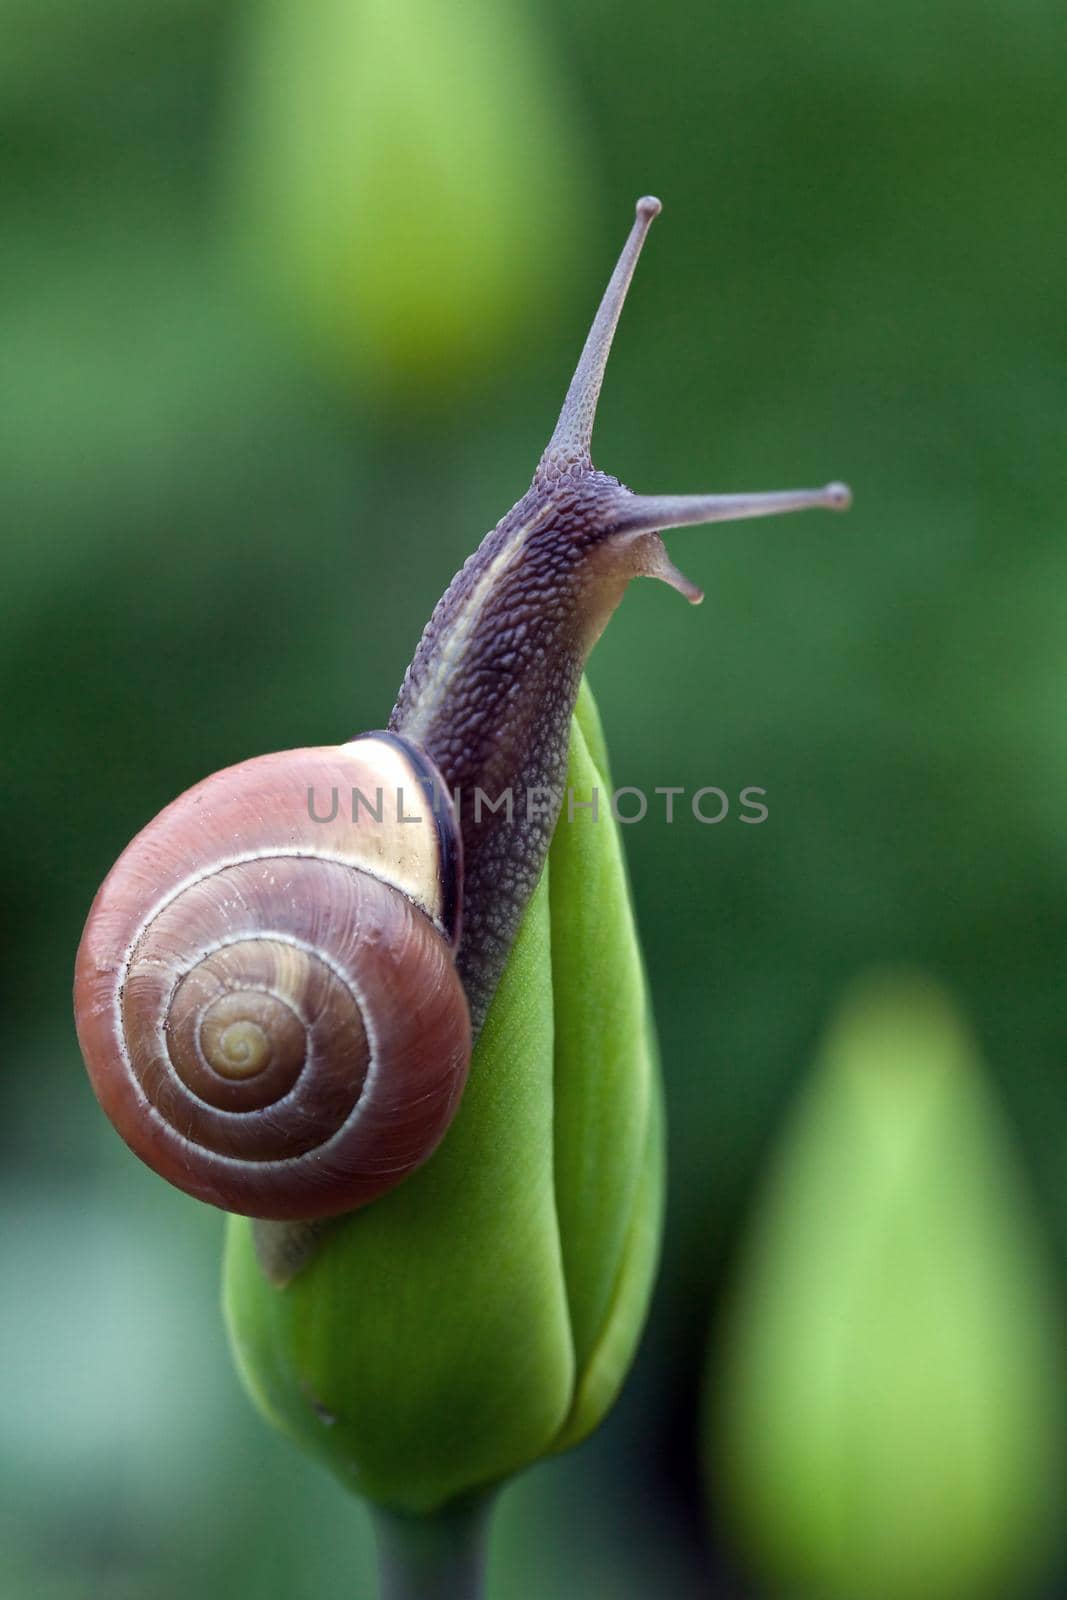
(437, 1557)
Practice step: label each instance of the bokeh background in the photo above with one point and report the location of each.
(290, 296)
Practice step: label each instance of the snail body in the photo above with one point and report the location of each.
(276, 1011)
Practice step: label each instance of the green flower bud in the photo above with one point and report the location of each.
(484, 1313)
(885, 1421)
(402, 173)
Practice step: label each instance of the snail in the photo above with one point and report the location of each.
(277, 1010)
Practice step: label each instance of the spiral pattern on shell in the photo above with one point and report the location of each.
(268, 1003)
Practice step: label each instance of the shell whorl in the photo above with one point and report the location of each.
(268, 1003)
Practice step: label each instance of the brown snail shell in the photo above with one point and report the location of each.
(268, 1004)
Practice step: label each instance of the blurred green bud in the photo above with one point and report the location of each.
(484, 1313)
(885, 1423)
(400, 175)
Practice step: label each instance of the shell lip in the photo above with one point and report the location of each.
(446, 824)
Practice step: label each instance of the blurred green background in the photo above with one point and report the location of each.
(290, 297)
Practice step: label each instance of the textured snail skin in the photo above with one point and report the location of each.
(268, 1005)
(490, 691)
